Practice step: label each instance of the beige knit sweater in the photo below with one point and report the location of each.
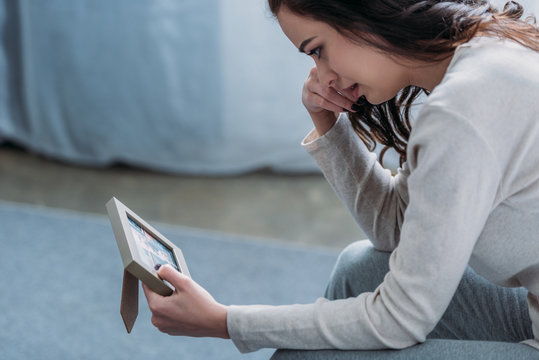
(469, 194)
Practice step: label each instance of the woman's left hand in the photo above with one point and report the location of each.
(189, 311)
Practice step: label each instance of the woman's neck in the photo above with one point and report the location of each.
(429, 75)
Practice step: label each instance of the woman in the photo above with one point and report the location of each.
(467, 191)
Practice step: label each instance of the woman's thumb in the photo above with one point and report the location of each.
(173, 276)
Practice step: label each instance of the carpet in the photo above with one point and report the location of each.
(62, 275)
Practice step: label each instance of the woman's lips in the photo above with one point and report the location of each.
(351, 92)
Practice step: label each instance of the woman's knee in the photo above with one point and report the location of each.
(359, 268)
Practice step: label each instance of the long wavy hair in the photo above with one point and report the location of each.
(427, 30)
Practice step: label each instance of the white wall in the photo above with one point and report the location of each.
(531, 6)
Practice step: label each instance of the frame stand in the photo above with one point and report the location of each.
(129, 303)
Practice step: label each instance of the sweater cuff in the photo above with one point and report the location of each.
(234, 329)
(312, 142)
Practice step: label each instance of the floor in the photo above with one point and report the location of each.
(275, 207)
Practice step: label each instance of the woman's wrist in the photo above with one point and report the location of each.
(323, 121)
(221, 322)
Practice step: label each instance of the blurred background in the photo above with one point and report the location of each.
(188, 111)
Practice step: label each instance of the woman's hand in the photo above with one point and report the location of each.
(324, 103)
(189, 311)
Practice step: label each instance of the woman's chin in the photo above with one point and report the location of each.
(375, 100)
(364, 100)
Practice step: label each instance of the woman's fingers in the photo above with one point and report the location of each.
(334, 96)
(190, 310)
(318, 97)
(325, 104)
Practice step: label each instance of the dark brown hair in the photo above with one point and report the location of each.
(428, 30)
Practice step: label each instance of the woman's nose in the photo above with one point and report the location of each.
(326, 76)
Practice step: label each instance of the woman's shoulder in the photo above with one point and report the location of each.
(490, 92)
(483, 47)
(489, 72)
(492, 61)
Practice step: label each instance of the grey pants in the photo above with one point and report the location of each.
(483, 320)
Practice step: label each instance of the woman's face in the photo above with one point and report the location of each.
(352, 69)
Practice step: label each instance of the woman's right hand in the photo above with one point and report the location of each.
(324, 103)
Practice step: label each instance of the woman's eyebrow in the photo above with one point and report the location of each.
(305, 43)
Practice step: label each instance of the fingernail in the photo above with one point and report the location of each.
(356, 107)
(362, 100)
(157, 267)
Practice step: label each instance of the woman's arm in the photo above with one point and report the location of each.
(453, 187)
(374, 197)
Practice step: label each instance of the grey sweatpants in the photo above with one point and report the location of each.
(483, 320)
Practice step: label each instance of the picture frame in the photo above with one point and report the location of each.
(142, 247)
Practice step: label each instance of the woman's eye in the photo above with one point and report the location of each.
(316, 51)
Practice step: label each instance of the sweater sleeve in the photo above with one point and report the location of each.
(374, 197)
(453, 186)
